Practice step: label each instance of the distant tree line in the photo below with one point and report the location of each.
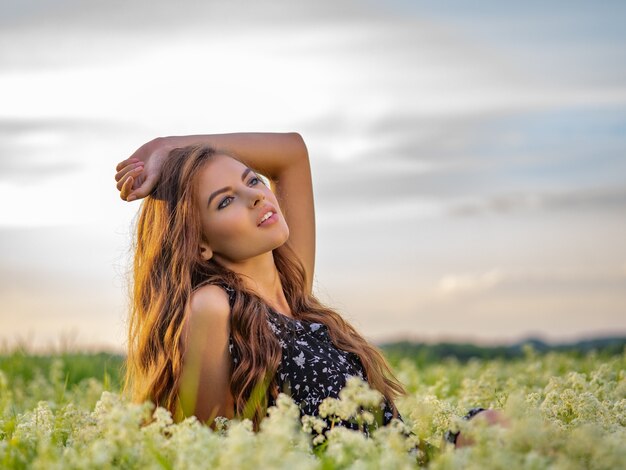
(424, 353)
(21, 365)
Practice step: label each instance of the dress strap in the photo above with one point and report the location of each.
(230, 291)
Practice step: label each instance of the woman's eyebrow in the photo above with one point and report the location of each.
(227, 188)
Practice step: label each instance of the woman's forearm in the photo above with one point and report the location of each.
(274, 155)
(267, 152)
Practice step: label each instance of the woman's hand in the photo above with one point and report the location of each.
(491, 417)
(137, 175)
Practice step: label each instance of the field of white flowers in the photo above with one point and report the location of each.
(565, 413)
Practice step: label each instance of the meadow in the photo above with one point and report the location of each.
(567, 411)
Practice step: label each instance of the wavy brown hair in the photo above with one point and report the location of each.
(167, 268)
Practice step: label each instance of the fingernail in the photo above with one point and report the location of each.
(130, 198)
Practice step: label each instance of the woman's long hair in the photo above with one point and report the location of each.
(167, 268)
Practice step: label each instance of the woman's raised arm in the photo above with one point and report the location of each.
(282, 157)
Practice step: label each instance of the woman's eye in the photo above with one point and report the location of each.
(227, 198)
(222, 205)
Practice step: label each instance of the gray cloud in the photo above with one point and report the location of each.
(69, 33)
(31, 149)
(391, 181)
(407, 136)
(596, 198)
(461, 189)
(24, 145)
(492, 163)
(118, 30)
(144, 15)
(385, 181)
(384, 80)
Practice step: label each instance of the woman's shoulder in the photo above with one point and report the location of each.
(207, 320)
(209, 301)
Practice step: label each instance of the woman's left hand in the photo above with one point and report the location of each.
(491, 417)
(137, 175)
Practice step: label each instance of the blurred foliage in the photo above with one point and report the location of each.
(566, 408)
(23, 366)
(424, 354)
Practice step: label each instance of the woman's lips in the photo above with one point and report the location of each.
(270, 220)
(264, 211)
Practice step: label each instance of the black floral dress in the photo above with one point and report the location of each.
(312, 367)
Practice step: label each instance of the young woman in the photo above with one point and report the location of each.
(223, 317)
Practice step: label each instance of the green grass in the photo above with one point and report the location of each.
(567, 409)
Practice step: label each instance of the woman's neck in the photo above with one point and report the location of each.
(260, 275)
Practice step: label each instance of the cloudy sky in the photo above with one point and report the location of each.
(469, 162)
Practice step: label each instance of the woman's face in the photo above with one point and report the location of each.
(231, 200)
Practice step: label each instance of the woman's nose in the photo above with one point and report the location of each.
(256, 197)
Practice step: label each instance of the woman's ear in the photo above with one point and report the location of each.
(205, 251)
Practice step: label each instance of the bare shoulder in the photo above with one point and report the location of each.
(210, 299)
(209, 308)
(206, 371)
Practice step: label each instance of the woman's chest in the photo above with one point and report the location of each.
(312, 366)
